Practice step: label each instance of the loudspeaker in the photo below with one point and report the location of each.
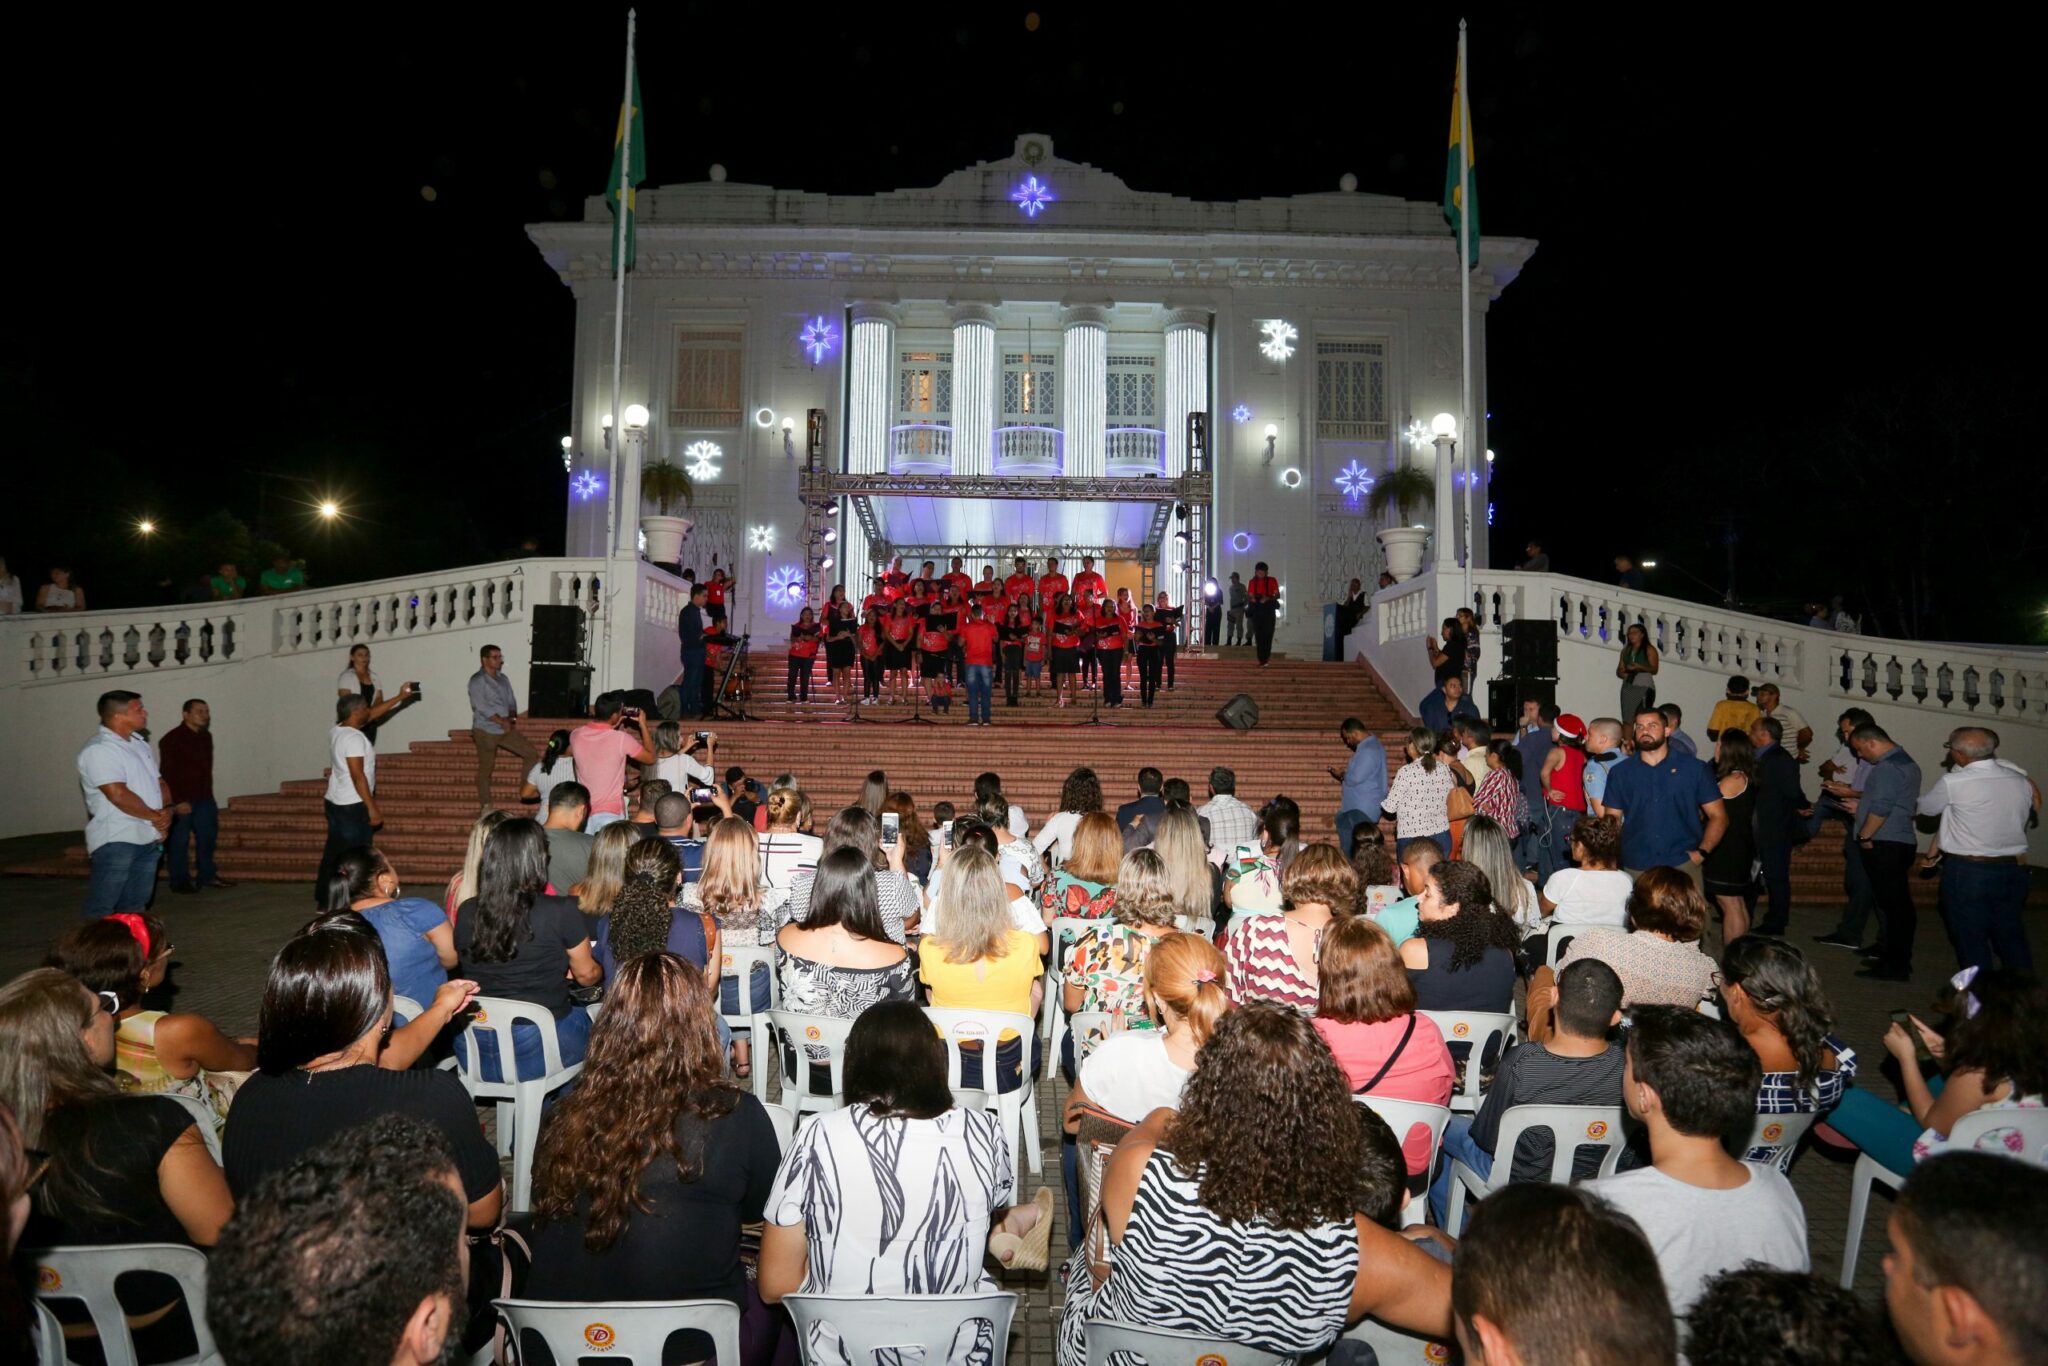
(1240, 712)
(1505, 696)
(558, 690)
(1528, 649)
(557, 634)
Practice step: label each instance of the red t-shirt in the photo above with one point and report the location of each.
(1263, 588)
(959, 581)
(1090, 583)
(870, 643)
(1051, 586)
(1109, 632)
(803, 641)
(978, 642)
(1034, 646)
(901, 629)
(985, 591)
(714, 593)
(1066, 633)
(872, 601)
(1019, 585)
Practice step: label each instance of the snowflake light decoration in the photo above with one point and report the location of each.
(1354, 480)
(1419, 436)
(785, 584)
(587, 485)
(1279, 339)
(1032, 196)
(702, 459)
(760, 538)
(1241, 414)
(819, 338)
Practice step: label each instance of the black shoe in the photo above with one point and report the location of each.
(183, 888)
(218, 882)
(1776, 931)
(1838, 940)
(1878, 972)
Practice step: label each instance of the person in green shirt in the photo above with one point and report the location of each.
(229, 583)
(283, 576)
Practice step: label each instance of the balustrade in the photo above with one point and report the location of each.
(1029, 450)
(1133, 451)
(921, 448)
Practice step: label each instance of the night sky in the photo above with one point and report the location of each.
(1773, 294)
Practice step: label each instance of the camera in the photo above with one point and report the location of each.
(704, 735)
(700, 795)
(418, 691)
(629, 713)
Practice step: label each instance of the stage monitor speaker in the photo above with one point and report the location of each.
(1528, 649)
(1505, 696)
(557, 634)
(557, 690)
(1240, 712)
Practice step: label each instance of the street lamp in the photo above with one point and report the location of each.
(1272, 437)
(146, 527)
(636, 417)
(789, 437)
(568, 458)
(329, 509)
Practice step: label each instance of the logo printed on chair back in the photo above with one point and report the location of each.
(598, 1337)
(48, 1279)
(481, 1017)
(1597, 1129)
(1436, 1351)
(813, 1033)
(1773, 1132)
(725, 960)
(1460, 1029)
(1211, 1359)
(970, 1030)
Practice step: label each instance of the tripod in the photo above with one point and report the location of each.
(724, 682)
(1095, 710)
(917, 716)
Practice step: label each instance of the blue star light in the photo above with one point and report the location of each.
(1354, 480)
(785, 584)
(819, 338)
(587, 485)
(1032, 196)
(1242, 414)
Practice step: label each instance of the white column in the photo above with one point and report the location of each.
(975, 376)
(871, 357)
(1450, 506)
(1187, 382)
(1084, 387)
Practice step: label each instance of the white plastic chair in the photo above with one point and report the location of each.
(1017, 1110)
(1779, 1133)
(784, 1121)
(1064, 931)
(49, 1337)
(828, 1032)
(1089, 1028)
(1397, 1346)
(1169, 1347)
(495, 1016)
(87, 1274)
(2029, 1127)
(628, 1331)
(869, 1325)
(1477, 1028)
(1402, 1116)
(738, 961)
(412, 1010)
(1571, 1127)
(1560, 936)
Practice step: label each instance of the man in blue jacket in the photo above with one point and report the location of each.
(1364, 779)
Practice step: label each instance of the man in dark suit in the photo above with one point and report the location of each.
(1174, 793)
(690, 631)
(1781, 812)
(1149, 804)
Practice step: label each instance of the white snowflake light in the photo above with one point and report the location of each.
(760, 538)
(1354, 480)
(702, 459)
(785, 584)
(1279, 339)
(587, 485)
(1419, 435)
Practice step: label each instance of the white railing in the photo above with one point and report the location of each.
(1133, 451)
(921, 448)
(1029, 450)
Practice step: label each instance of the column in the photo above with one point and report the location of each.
(1450, 506)
(1084, 386)
(1187, 382)
(975, 376)
(871, 356)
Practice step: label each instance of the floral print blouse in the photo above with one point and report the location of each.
(1108, 964)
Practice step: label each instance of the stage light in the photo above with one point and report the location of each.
(1443, 424)
(832, 511)
(1279, 339)
(636, 416)
(764, 418)
(1209, 589)
(825, 563)
(830, 535)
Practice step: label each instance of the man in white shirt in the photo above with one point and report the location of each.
(351, 803)
(1231, 822)
(127, 808)
(1692, 1082)
(1983, 803)
(1798, 735)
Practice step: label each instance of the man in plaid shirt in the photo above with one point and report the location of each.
(1231, 822)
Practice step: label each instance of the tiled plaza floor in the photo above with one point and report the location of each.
(225, 940)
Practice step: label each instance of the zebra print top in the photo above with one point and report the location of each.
(1179, 1267)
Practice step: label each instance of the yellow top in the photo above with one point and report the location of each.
(1733, 713)
(991, 984)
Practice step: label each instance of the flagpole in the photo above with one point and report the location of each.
(620, 207)
(1466, 428)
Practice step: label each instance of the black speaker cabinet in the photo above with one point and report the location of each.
(1528, 649)
(1240, 712)
(1505, 696)
(557, 634)
(554, 690)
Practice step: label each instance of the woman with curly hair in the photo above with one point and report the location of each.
(1276, 1244)
(648, 1167)
(1274, 957)
(644, 920)
(1079, 795)
(1463, 954)
(1772, 994)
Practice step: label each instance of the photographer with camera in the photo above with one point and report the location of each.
(685, 759)
(617, 735)
(494, 722)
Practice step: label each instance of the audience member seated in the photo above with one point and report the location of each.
(518, 942)
(1772, 994)
(1692, 1082)
(1590, 1306)
(1463, 954)
(1597, 891)
(1080, 794)
(1273, 957)
(567, 808)
(1275, 1243)
(1141, 1068)
(1575, 1066)
(1104, 969)
(126, 956)
(419, 943)
(647, 1168)
(972, 832)
(1367, 1017)
(1658, 958)
(743, 914)
(325, 1008)
(1755, 1315)
(1993, 1057)
(787, 844)
(1085, 886)
(1965, 1280)
(646, 919)
(917, 840)
(1379, 881)
(462, 884)
(352, 1254)
(1403, 917)
(1251, 874)
(896, 899)
(896, 1193)
(1184, 859)
(839, 960)
(551, 770)
(605, 878)
(983, 962)
(1488, 848)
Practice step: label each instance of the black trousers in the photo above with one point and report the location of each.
(1171, 648)
(1112, 676)
(1889, 864)
(800, 678)
(348, 827)
(870, 678)
(1013, 672)
(1089, 664)
(1262, 633)
(1212, 624)
(1776, 858)
(1148, 675)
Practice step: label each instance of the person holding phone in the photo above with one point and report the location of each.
(602, 749)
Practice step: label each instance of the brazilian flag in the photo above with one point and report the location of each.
(1460, 173)
(624, 177)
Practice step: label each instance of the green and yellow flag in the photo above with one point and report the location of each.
(1460, 175)
(626, 176)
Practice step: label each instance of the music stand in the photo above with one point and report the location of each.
(718, 690)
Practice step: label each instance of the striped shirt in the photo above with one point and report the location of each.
(1262, 966)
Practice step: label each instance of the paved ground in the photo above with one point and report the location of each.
(225, 940)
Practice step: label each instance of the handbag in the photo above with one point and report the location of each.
(1458, 806)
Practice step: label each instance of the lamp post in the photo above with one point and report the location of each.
(1272, 440)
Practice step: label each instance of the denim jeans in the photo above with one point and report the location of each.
(123, 878)
(1860, 903)
(758, 996)
(1556, 849)
(1348, 822)
(1457, 1143)
(1982, 904)
(200, 827)
(572, 1036)
(348, 827)
(981, 684)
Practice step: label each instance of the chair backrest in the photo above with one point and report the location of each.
(826, 1032)
(1560, 935)
(1780, 1134)
(1478, 1028)
(2007, 1133)
(49, 1337)
(87, 1274)
(1089, 1028)
(1404, 1116)
(1166, 1347)
(405, 1008)
(868, 1326)
(1571, 1127)
(495, 1016)
(740, 961)
(1065, 930)
(958, 1025)
(783, 1119)
(630, 1332)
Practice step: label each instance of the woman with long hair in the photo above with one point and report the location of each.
(1085, 886)
(982, 961)
(729, 891)
(1772, 994)
(1499, 794)
(1080, 794)
(1379, 880)
(1419, 796)
(1463, 954)
(1274, 957)
(1489, 849)
(1728, 869)
(895, 894)
(874, 790)
(419, 943)
(1277, 1243)
(516, 941)
(841, 648)
(1066, 629)
(553, 768)
(126, 956)
(321, 1033)
(917, 841)
(462, 885)
(1637, 670)
(648, 1167)
(839, 959)
(606, 875)
(803, 654)
(1251, 876)
(1190, 884)
(900, 629)
(1366, 1014)
(1447, 651)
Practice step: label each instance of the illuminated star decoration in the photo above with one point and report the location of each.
(1032, 196)
(760, 538)
(702, 458)
(1354, 480)
(1279, 342)
(819, 337)
(1419, 435)
(1241, 414)
(785, 584)
(587, 485)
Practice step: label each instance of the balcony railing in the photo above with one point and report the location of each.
(1030, 450)
(1131, 451)
(921, 448)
